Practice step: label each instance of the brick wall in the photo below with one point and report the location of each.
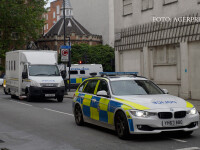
(52, 15)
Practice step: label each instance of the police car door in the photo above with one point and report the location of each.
(89, 102)
(104, 115)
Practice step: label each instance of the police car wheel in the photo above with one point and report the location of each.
(121, 125)
(78, 115)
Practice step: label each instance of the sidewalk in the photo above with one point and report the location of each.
(196, 103)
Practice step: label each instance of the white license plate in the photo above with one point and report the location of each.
(172, 123)
(49, 95)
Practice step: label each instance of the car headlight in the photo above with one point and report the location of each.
(139, 113)
(192, 111)
(34, 83)
(61, 84)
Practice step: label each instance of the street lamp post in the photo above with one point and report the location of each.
(65, 70)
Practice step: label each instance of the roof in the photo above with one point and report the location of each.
(67, 4)
(71, 26)
(119, 78)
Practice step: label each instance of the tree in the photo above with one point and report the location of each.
(20, 22)
(99, 54)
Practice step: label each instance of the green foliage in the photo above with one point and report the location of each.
(99, 54)
(20, 22)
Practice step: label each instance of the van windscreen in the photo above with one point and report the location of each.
(43, 70)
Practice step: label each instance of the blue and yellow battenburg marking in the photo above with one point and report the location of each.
(103, 109)
(76, 80)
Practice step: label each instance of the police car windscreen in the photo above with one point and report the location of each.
(134, 87)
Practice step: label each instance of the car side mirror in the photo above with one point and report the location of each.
(63, 74)
(102, 93)
(24, 75)
(165, 91)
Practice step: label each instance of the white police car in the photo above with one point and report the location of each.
(132, 105)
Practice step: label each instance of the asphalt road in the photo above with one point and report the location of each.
(48, 125)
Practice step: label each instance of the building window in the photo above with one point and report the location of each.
(46, 16)
(127, 7)
(166, 2)
(54, 22)
(147, 4)
(58, 10)
(44, 27)
(54, 14)
(58, 17)
(47, 26)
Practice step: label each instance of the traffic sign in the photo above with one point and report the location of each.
(65, 47)
(65, 53)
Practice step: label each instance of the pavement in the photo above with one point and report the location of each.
(196, 103)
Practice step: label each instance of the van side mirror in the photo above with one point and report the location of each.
(63, 74)
(165, 91)
(102, 93)
(24, 75)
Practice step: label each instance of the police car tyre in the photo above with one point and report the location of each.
(78, 115)
(60, 98)
(121, 125)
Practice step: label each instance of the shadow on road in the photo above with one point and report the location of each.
(165, 136)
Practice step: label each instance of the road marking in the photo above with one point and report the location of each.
(190, 148)
(21, 103)
(59, 112)
(178, 140)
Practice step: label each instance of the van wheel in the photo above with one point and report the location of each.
(78, 115)
(29, 97)
(121, 125)
(5, 91)
(13, 96)
(60, 98)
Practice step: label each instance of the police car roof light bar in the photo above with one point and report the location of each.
(117, 73)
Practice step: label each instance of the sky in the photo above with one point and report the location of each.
(48, 5)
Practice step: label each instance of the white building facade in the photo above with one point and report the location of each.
(97, 16)
(165, 51)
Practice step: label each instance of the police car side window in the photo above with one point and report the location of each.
(82, 87)
(103, 86)
(90, 87)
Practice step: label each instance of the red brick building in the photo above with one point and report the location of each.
(53, 14)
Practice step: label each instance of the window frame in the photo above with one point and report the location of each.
(108, 92)
(87, 85)
(124, 5)
(168, 3)
(148, 8)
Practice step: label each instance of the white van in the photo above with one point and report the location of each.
(80, 72)
(33, 74)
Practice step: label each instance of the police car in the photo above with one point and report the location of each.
(132, 105)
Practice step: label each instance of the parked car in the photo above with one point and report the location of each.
(1, 81)
(4, 86)
(132, 105)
